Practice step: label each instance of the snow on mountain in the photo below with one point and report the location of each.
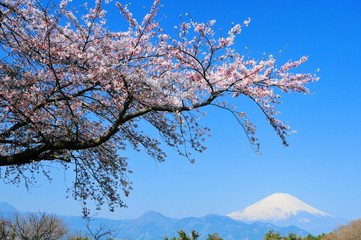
(278, 206)
(284, 210)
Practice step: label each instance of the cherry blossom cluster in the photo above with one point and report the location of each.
(75, 92)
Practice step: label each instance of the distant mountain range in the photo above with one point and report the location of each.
(279, 212)
(154, 226)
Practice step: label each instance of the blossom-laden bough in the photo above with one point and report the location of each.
(73, 91)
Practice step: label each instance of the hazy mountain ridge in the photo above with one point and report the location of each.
(155, 226)
(6, 208)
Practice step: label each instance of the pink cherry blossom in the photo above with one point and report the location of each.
(75, 92)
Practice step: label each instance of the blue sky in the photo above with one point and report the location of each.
(321, 166)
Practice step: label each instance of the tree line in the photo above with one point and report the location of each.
(43, 226)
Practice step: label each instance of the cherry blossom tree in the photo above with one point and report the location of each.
(74, 92)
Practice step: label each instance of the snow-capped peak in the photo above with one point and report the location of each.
(278, 206)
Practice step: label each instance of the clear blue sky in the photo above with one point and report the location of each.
(321, 166)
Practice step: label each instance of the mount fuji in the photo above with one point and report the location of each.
(284, 209)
